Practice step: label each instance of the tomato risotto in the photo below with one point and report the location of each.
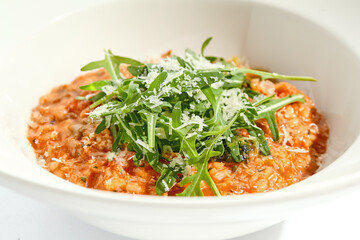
(186, 126)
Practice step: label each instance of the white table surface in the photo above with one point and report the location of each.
(22, 218)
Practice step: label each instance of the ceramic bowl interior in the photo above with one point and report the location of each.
(267, 37)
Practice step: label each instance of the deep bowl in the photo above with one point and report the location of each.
(268, 37)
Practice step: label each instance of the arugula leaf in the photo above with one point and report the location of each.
(267, 75)
(137, 70)
(201, 166)
(191, 53)
(218, 121)
(204, 45)
(268, 109)
(132, 93)
(101, 127)
(211, 58)
(262, 74)
(251, 93)
(155, 84)
(97, 97)
(258, 134)
(111, 64)
(103, 99)
(187, 144)
(96, 86)
(151, 125)
(166, 181)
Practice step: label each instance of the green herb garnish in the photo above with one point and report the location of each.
(83, 179)
(188, 105)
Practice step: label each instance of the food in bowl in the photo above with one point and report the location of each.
(186, 126)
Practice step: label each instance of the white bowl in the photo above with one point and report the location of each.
(268, 37)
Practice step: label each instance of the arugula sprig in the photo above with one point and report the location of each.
(189, 107)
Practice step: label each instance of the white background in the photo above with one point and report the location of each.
(26, 219)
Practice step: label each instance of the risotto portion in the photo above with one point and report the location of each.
(178, 126)
(62, 135)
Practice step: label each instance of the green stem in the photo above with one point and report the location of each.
(262, 74)
(102, 100)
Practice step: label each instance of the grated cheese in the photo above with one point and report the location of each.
(202, 63)
(110, 156)
(108, 89)
(55, 159)
(150, 78)
(194, 119)
(170, 64)
(155, 100)
(231, 100)
(144, 144)
(199, 95)
(179, 162)
(217, 85)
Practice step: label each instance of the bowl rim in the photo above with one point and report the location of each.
(339, 183)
